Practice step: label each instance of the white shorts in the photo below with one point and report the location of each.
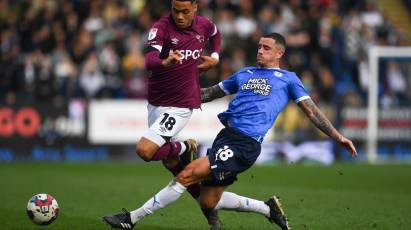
(165, 121)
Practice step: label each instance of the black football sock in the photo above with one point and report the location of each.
(211, 215)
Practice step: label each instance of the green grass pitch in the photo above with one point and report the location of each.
(343, 196)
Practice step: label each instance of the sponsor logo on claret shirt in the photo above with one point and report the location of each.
(194, 54)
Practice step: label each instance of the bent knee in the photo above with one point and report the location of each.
(145, 153)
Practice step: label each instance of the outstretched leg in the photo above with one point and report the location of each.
(176, 164)
(271, 208)
(175, 156)
(195, 172)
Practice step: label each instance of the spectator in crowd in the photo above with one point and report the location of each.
(66, 49)
(91, 78)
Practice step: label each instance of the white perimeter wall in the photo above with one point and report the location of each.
(124, 121)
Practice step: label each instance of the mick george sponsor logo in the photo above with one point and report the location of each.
(258, 85)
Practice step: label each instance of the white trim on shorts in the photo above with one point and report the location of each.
(154, 137)
(156, 130)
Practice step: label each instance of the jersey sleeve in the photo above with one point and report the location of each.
(296, 89)
(212, 29)
(229, 86)
(156, 36)
(213, 34)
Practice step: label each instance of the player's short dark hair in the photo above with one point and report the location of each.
(279, 39)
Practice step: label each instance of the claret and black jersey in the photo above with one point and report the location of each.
(178, 86)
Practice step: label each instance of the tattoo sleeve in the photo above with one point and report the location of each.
(211, 93)
(318, 118)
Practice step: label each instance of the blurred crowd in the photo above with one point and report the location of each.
(56, 50)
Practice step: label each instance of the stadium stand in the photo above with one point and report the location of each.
(57, 50)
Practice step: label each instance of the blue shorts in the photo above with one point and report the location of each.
(230, 154)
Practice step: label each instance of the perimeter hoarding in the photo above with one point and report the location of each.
(124, 122)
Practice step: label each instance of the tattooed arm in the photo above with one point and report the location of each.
(211, 93)
(320, 121)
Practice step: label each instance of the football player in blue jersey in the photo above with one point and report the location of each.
(261, 94)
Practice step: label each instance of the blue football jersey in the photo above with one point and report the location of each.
(261, 95)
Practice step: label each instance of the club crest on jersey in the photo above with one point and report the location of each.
(258, 86)
(174, 41)
(278, 74)
(152, 34)
(200, 38)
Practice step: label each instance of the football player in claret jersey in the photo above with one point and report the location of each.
(261, 94)
(176, 54)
